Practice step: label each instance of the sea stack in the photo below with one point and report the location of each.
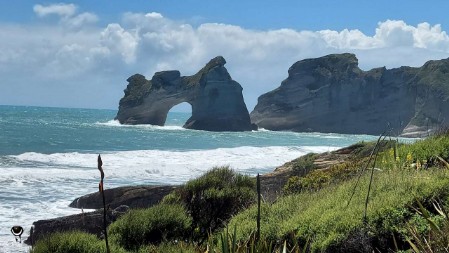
(332, 94)
(216, 100)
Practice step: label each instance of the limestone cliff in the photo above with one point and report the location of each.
(332, 94)
(216, 100)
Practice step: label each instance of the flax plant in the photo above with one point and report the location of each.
(101, 189)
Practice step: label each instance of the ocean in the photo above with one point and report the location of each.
(48, 157)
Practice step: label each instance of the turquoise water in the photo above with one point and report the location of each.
(48, 157)
(52, 130)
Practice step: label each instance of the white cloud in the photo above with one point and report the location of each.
(431, 37)
(63, 10)
(82, 59)
(395, 33)
(122, 42)
(66, 12)
(353, 39)
(80, 20)
(154, 15)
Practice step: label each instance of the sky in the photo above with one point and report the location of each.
(80, 53)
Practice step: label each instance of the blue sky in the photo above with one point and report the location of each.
(265, 14)
(67, 53)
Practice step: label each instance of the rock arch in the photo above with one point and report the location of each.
(216, 100)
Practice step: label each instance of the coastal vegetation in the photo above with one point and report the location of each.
(373, 196)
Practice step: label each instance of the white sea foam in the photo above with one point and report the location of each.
(42, 185)
(155, 165)
(116, 123)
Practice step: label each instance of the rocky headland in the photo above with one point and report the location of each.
(332, 94)
(216, 100)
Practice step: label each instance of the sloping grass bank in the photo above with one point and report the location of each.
(325, 219)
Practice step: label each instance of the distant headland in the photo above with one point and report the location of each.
(328, 94)
(332, 94)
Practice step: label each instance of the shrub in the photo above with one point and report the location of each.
(304, 164)
(318, 179)
(364, 149)
(73, 242)
(433, 235)
(214, 197)
(152, 225)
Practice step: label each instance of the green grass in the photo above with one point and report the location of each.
(324, 218)
(318, 179)
(73, 242)
(422, 154)
(171, 247)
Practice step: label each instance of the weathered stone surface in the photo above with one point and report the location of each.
(132, 196)
(118, 201)
(90, 222)
(332, 94)
(216, 100)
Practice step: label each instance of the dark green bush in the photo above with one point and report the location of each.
(73, 242)
(152, 225)
(215, 197)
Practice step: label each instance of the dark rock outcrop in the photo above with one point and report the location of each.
(216, 100)
(118, 201)
(332, 94)
(90, 222)
(132, 196)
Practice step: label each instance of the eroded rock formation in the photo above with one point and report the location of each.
(140, 196)
(332, 94)
(216, 100)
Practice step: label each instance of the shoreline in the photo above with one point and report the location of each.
(144, 196)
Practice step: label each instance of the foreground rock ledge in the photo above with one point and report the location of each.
(90, 222)
(118, 201)
(133, 196)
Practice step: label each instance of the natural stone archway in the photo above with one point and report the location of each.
(178, 114)
(216, 100)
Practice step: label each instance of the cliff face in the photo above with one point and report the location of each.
(332, 94)
(216, 100)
